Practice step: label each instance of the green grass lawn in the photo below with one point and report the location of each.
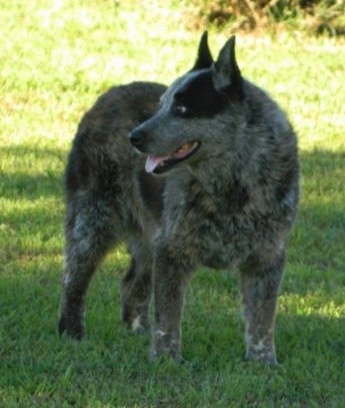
(56, 58)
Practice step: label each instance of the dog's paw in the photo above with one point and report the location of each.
(268, 358)
(138, 325)
(156, 355)
(165, 346)
(70, 328)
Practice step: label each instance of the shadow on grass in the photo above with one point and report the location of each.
(310, 349)
(112, 364)
(36, 174)
(210, 336)
(33, 172)
(315, 252)
(42, 173)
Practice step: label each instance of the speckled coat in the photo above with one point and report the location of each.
(220, 189)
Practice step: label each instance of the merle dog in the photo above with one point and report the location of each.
(210, 176)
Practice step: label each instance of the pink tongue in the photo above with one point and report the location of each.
(152, 162)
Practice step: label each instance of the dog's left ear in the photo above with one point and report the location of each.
(204, 59)
(226, 74)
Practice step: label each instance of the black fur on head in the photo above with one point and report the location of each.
(197, 97)
(209, 85)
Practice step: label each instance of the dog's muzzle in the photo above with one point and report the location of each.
(136, 137)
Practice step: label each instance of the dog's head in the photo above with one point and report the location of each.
(191, 112)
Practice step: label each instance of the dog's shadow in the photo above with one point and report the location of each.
(32, 172)
(315, 259)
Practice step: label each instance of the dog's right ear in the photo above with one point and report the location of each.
(225, 71)
(204, 59)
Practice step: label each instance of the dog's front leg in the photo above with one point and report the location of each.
(171, 275)
(261, 280)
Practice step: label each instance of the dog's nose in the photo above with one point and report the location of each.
(136, 137)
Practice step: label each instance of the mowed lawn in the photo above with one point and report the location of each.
(56, 58)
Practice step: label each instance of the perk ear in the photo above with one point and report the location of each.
(204, 59)
(225, 72)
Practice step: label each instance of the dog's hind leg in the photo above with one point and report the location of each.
(88, 237)
(136, 289)
(260, 282)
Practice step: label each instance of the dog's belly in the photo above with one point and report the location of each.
(219, 260)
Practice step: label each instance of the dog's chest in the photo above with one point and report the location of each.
(214, 230)
(224, 240)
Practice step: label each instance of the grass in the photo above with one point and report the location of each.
(57, 57)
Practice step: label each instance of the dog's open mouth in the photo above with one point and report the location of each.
(160, 164)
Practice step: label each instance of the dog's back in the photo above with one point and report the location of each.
(101, 145)
(102, 164)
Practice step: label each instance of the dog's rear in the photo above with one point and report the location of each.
(107, 194)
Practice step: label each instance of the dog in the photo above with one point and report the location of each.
(209, 175)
